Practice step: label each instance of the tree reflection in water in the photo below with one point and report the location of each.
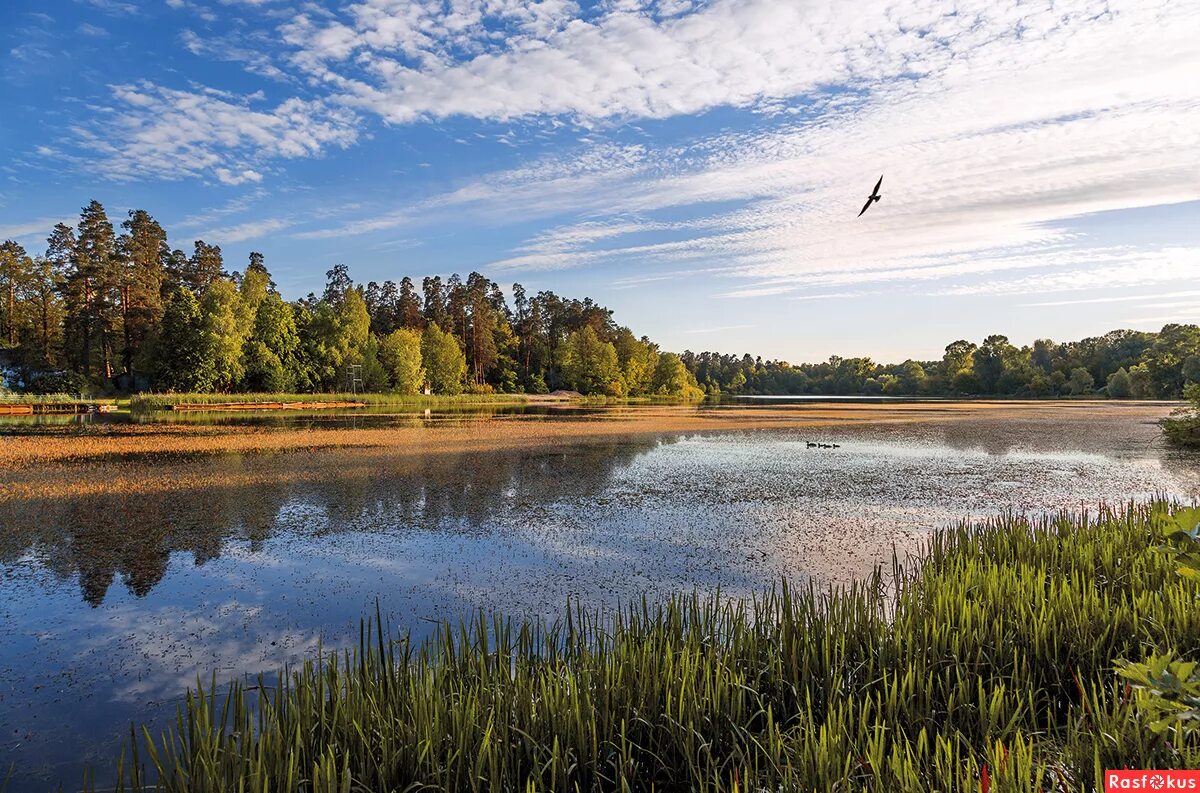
(133, 535)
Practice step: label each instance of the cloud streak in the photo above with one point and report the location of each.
(981, 195)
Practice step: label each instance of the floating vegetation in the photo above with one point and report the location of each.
(990, 666)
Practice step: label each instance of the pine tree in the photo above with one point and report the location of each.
(435, 301)
(144, 255)
(481, 339)
(408, 308)
(42, 294)
(93, 290)
(456, 309)
(204, 267)
(16, 268)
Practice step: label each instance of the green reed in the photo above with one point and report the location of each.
(993, 659)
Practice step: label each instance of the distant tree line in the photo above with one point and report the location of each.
(123, 310)
(1122, 364)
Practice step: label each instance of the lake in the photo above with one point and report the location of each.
(130, 564)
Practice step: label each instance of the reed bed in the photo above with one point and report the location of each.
(987, 667)
(150, 402)
(9, 397)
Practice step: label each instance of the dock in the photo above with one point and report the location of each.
(51, 408)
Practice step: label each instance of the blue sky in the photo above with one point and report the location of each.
(695, 165)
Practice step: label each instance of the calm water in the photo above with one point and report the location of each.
(111, 605)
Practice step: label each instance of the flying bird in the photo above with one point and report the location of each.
(873, 197)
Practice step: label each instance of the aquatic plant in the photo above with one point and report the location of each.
(1171, 687)
(988, 666)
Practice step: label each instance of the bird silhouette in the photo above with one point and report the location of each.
(873, 197)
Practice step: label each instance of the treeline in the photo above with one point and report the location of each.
(124, 311)
(1122, 364)
(102, 310)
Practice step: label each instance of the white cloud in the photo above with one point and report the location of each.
(232, 206)
(247, 231)
(250, 50)
(163, 133)
(114, 7)
(1114, 299)
(995, 126)
(31, 230)
(243, 176)
(1092, 270)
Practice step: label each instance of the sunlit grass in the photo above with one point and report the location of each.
(997, 652)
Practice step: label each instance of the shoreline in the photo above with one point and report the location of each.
(123, 458)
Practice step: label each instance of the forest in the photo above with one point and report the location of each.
(108, 311)
(103, 310)
(1121, 364)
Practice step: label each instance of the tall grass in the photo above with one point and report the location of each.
(26, 399)
(993, 660)
(149, 402)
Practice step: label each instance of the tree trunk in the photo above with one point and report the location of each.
(12, 302)
(86, 357)
(127, 352)
(45, 329)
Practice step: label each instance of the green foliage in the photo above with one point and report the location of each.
(226, 328)
(443, 360)
(1174, 358)
(1170, 688)
(265, 372)
(590, 365)
(183, 357)
(1081, 381)
(400, 354)
(143, 251)
(56, 383)
(1184, 427)
(271, 362)
(992, 659)
(155, 402)
(373, 374)
(1120, 384)
(638, 359)
(1170, 691)
(671, 378)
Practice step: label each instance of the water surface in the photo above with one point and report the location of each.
(110, 605)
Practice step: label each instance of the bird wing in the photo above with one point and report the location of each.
(877, 185)
(867, 205)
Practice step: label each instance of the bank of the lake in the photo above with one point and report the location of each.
(147, 402)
